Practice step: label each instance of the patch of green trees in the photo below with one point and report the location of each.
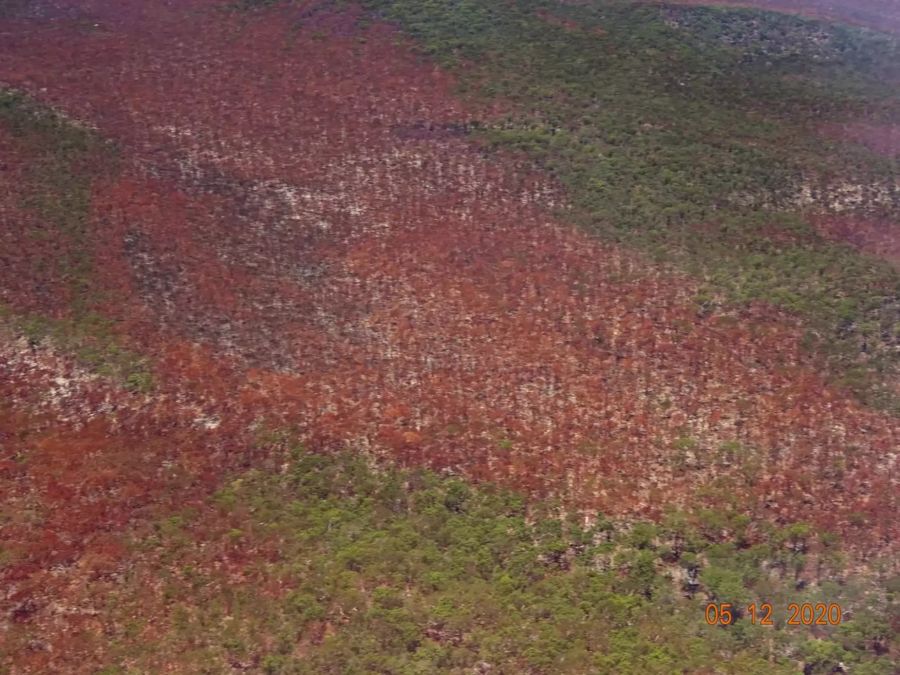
(688, 133)
(412, 572)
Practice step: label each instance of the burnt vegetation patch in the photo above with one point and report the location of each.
(305, 239)
(49, 292)
(425, 130)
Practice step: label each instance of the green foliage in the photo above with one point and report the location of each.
(90, 339)
(57, 188)
(822, 656)
(58, 180)
(688, 133)
(459, 576)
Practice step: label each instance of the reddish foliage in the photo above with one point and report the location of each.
(360, 271)
(299, 234)
(554, 20)
(880, 237)
(883, 139)
(84, 463)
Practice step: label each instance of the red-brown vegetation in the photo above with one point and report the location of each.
(880, 237)
(406, 295)
(883, 139)
(287, 250)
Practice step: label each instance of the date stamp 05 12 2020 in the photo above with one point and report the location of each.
(799, 614)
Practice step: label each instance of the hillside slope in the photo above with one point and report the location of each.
(877, 14)
(221, 220)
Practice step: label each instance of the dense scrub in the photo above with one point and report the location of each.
(601, 381)
(50, 169)
(326, 566)
(691, 133)
(368, 275)
(876, 14)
